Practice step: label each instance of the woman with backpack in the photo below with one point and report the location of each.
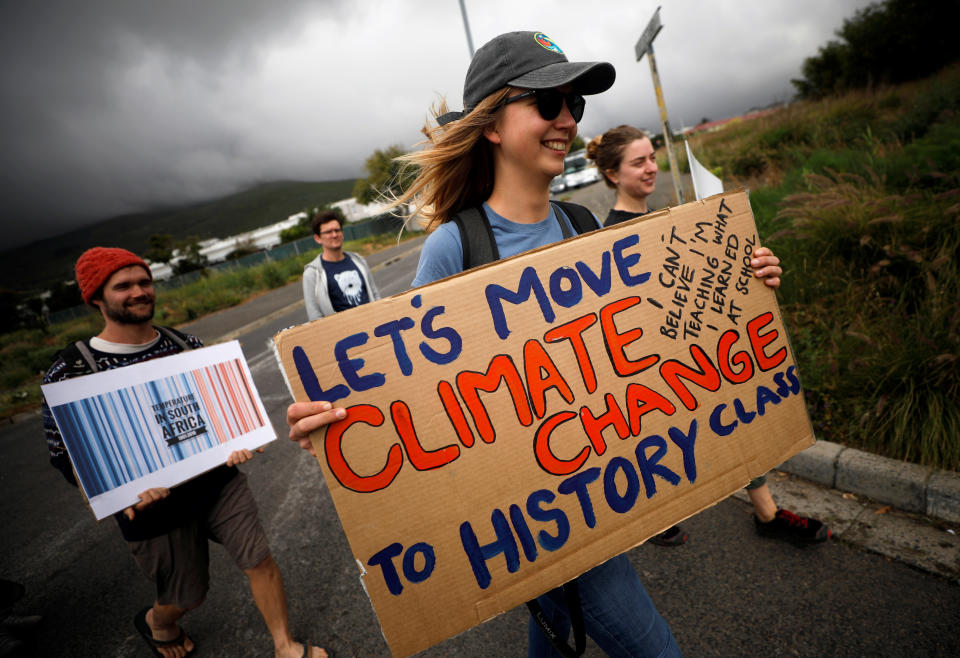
(492, 163)
(490, 166)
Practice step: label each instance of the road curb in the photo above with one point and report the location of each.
(908, 487)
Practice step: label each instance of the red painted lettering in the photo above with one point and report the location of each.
(542, 375)
(573, 331)
(707, 377)
(759, 341)
(742, 359)
(545, 457)
(594, 425)
(641, 401)
(616, 342)
(455, 413)
(361, 413)
(422, 460)
(469, 382)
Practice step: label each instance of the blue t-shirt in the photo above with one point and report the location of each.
(442, 253)
(345, 284)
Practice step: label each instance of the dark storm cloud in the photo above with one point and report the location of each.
(114, 106)
(72, 148)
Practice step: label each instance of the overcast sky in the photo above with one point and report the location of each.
(114, 106)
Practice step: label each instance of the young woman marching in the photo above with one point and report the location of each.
(626, 158)
(522, 101)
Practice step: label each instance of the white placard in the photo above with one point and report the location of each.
(158, 423)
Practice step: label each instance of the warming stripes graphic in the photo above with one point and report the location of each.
(117, 437)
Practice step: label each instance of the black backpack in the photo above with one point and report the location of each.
(476, 235)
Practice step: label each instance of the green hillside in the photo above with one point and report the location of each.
(244, 211)
(859, 195)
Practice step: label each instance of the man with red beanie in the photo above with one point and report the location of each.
(167, 531)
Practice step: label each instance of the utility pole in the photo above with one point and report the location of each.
(466, 27)
(645, 47)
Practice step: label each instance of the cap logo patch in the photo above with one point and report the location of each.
(547, 43)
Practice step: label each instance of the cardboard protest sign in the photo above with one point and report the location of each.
(513, 426)
(157, 423)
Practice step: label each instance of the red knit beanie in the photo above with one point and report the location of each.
(95, 266)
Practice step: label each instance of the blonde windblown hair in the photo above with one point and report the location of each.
(455, 165)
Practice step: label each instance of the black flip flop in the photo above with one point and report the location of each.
(306, 650)
(140, 623)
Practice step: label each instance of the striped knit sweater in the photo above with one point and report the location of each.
(187, 500)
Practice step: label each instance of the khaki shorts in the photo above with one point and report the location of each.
(178, 562)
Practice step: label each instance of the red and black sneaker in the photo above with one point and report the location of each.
(674, 536)
(794, 528)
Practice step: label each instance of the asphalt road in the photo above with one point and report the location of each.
(727, 592)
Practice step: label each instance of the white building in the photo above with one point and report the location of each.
(217, 250)
(354, 211)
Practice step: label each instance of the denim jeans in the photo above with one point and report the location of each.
(617, 614)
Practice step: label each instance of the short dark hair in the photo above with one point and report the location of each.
(322, 217)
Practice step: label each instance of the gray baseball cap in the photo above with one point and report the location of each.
(527, 60)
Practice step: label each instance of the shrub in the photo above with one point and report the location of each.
(748, 163)
(273, 277)
(872, 301)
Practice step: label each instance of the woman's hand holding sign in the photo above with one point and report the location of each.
(306, 417)
(767, 266)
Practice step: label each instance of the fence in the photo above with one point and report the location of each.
(373, 226)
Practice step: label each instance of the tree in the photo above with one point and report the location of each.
(63, 294)
(161, 248)
(889, 42)
(243, 248)
(9, 310)
(190, 258)
(577, 144)
(386, 177)
(294, 233)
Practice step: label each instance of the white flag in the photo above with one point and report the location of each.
(704, 183)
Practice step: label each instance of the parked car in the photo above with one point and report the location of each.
(579, 171)
(557, 185)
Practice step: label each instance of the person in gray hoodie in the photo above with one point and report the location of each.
(336, 279)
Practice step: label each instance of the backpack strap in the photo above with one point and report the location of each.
(175, 336)
(582, 219)
(476, 238)
(85, 354)
(80, 349)
(480, 247)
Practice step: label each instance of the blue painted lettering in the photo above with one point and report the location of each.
(311, 385)
(350, 368)
(393, 329)
(620, 503)
(478, 555)
(448, 334)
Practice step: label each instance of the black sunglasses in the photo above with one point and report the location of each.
(550, 102)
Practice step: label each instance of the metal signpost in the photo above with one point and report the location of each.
(645, 47)
(466, 27)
